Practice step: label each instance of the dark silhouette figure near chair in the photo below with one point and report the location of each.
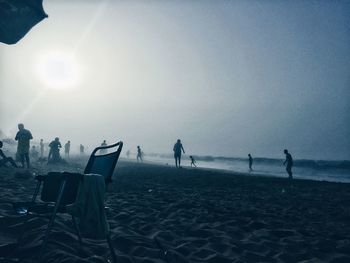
(61, 189)
(289, 162)
(4, 159)
(177, 152)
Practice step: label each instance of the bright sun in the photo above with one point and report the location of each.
(58, 70)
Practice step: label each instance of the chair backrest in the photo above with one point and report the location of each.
(104, 164)
(53, 183)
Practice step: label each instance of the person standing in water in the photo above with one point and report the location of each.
(23, 137)
(139, 154)
(41, 148)
(128, 154)
(193, 161)
(177, 152)
(289, 162)
(67, 149)
(250, 159)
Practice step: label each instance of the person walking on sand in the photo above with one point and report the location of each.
(193, 161)
(289, 162)
(4, 159)
(128, 154)
(139, 154)
(67, 149)
(41, 148)
(177, 152)
(250, 159)
(23, 137)
(103, 144)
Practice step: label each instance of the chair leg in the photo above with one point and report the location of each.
(52, 220)
(36, 192)
(37, 188)
(78, 231)
(114, 257)
(46, 237)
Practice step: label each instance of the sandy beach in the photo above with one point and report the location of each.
(163, 214)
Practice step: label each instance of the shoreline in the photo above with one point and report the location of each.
(232, 172)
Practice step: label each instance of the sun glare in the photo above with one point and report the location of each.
(58, 70)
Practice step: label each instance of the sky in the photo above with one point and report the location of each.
(228, 78)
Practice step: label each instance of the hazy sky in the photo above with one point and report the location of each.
(226, 77)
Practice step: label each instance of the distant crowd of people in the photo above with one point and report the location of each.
(23, 154)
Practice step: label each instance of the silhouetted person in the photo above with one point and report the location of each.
(250, 159)
(127, 154)
(41, 148)
(4, 159)
(289, 162)
(81, 148)
(67, 149)
(139, 154)
(23, 137)
(193, 161)
(177, 152)
(103, 144)
(55, 146)
(34, 153)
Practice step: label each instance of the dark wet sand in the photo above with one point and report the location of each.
(162, 214)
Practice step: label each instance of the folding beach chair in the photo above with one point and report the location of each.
(60, 190)
(104, 164)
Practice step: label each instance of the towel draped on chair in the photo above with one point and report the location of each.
(89, 206)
